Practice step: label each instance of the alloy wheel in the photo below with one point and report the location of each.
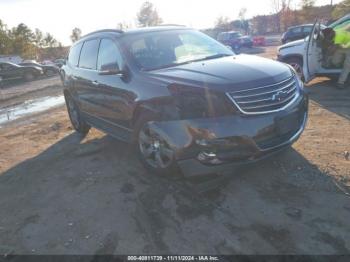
(155, 151)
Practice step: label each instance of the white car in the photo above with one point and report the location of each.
(306, 55)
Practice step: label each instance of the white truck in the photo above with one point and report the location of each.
(306, 55)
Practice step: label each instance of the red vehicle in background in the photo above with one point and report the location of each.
(259, 41)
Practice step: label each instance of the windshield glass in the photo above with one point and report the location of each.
(156, 50)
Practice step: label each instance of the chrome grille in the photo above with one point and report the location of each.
(265, 99)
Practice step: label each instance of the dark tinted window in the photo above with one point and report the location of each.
(296, 30)
(6, 67)
(108, 56)
(307, 29)
(235, 35)
(88, 55)
(74, 53)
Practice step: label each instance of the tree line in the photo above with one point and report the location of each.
(21, 40)
(284, 13)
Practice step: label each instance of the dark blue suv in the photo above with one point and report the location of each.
(186, 101)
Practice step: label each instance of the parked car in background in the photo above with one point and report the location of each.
(60, 62)
(48, 70)
(246, 41)
(235, 40)
(185, 100)
(296, 32)
(306, 55)
(11, 58)
(9, 71)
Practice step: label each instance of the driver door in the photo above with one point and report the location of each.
(312, 57)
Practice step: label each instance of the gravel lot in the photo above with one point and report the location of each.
(61, 193)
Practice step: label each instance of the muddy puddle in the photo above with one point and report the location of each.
(29, 107)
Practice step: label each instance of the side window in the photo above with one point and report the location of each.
(6, 67)
(88, 55)
(307, 29)
(296, 30)
(109, 56)
(74, 53)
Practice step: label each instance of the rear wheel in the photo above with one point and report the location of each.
(154, 152)
(75, 117)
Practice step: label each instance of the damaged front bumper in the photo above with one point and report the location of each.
(219, 145)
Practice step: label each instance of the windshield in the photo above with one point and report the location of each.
(170, 48)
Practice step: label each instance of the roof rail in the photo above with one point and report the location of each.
(105, 31)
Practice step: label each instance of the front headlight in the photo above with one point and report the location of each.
(197, 102)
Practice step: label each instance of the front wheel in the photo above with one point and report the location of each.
(154, 152)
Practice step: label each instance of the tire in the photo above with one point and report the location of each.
(75, 117)
(153, 151)
(63, 78)
(297, 64)
(29, 76)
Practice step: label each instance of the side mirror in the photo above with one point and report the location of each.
(110, 69)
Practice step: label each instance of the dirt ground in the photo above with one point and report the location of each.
(61, 193)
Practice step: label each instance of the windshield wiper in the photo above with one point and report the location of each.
(187, 62)
(209, 57)
(166, 66)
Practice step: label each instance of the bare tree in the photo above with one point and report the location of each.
(76, 34)
(123, 26)
(148, 15)
(280, 9)
(50, 41)
(244, 24)
(223, 23)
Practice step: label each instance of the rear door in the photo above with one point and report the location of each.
(312, 53)
(85, 77)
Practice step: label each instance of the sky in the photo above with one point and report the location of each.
(59, 17)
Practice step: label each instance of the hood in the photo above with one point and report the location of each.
(293, 43)
(226, 74)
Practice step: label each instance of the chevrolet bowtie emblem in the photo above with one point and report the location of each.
(279, 95)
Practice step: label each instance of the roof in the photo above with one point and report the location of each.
(294, 26)
(154, 29)
(136, 30)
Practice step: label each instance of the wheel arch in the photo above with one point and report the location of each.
(162, 108)
(291, 56)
